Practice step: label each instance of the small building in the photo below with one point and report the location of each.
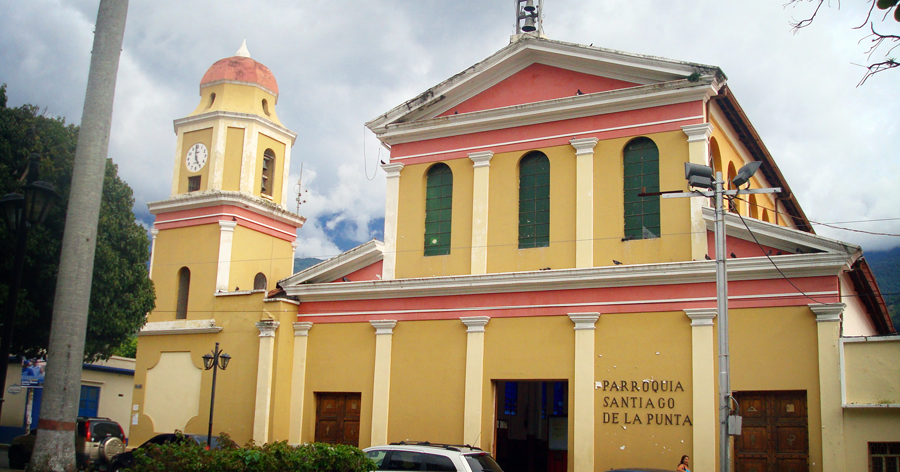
(106, 389)
(534, 295)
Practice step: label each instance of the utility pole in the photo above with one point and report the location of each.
(701, 176)
(55, 444)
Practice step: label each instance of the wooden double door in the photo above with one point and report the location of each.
(337, 418)
(775, 432)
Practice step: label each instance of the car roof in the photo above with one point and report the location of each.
(432, 448)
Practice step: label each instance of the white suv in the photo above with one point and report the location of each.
(406, 455)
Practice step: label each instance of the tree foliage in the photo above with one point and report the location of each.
(121, 292)
(879, 42)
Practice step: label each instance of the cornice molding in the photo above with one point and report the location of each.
(383, 327)
(202, 119)
(700, 132)
(579, 106)
(475, 324)
(267, 328)
(827, 312)
(392, 169)
(301, 328)
(749, 268)
(584, 320)
(701, 316)
(160, 328)
(210, 198)
(584, 146)
(345, 263)
(481, 158)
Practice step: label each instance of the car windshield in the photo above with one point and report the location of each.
(482, 462)
(105, 429)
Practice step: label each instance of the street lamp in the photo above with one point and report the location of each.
(21, 212)
(215, 360)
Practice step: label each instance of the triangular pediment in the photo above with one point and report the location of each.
(535, 70)
(536, 83)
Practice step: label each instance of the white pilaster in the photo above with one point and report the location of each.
(583, 386)
(264, 369)
(381, 389)
(226, 238)
(249, 179)
(584, 201)
(480, 191)
(216, 159)
(705, 400)
(298, 381)
(391, 216)
(153, 233)
(698, 153)
(474, 378)
(828, 322)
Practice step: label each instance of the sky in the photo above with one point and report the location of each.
(341, 63)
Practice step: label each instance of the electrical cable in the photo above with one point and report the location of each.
(366, 159)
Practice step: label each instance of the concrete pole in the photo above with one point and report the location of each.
(55, 444)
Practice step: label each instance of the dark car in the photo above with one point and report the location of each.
(125, 460)
(97, 441)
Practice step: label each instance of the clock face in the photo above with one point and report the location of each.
(196, 157)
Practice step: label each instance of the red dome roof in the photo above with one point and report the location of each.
(241, 69)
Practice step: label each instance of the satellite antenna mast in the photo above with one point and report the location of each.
(529, 17)
(301, 194)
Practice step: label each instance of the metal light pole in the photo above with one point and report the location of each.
(701, 176)
(215, 360)
(20, 213)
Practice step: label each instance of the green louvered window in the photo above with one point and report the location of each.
(641, 161)
(534, 201)
(438, 208)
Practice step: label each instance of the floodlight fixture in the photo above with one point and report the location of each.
(698, 175)
(743, 175)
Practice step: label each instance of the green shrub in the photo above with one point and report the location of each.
(189, 456)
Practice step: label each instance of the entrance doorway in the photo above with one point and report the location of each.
(775, 432)
(337, 418)
(531, 425)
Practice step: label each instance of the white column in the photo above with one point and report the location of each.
(391, 217)
(583, 389)
(216, 164)
(249, 179)
(703, 380)
(153, 233)
(698, 153)
(381, 389)
(285, 175)
(264, 370)
(298, 381)
(480, 195)
(226, 237)
(828, 322)
(584, 201)
(474, 378)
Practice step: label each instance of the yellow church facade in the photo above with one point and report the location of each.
(534, 296)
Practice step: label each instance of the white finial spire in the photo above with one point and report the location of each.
(243, 52)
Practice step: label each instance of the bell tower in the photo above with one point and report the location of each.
(225, 227)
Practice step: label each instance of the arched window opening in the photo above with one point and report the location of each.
(438, 209)
(715, 156)
(534, 201)
(259, 282)
(754, 207)
(265, 107)
(641, 174)
(765, 215)
(268, 173)
(184, 288)
(212, 99)
(734, 205)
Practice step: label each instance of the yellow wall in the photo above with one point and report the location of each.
(237, 98)
(341, 358)
(777, 349)
(609, 220)
(504, 254)
(411, 261)
(428, 372)
(634, 347)
(254, 252)
(196, 248)
(203, 136)
(234, 146)
(265, 142)
(872, 372)
(862, 426)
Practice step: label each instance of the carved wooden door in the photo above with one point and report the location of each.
(337, 418)
(775, 432)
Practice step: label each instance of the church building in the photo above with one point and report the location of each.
(534, 295)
